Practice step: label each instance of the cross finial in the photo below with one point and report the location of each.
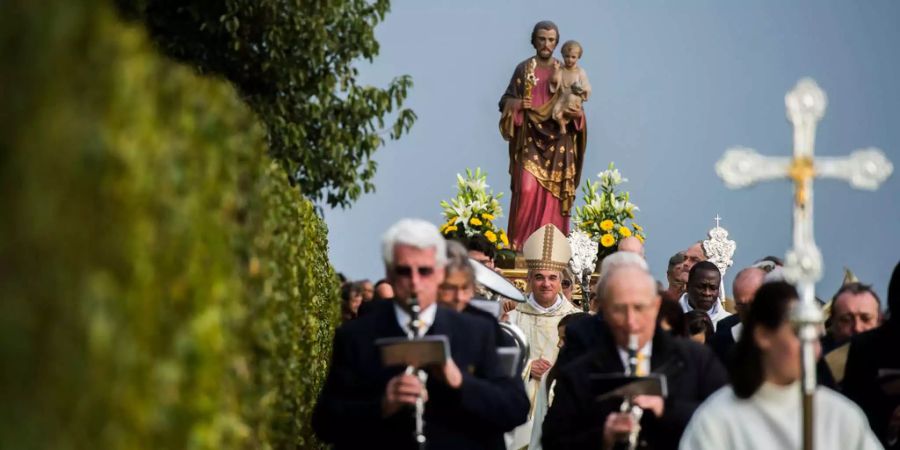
(717, 221)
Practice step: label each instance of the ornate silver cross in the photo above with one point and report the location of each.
(719, 251)
(863, 169)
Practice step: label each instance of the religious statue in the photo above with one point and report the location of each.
(544, 162)
(571, 82)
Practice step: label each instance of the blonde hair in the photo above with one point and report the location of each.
(569, 45)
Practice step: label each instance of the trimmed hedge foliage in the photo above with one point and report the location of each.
(163, 286)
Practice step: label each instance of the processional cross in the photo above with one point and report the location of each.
(863, 169)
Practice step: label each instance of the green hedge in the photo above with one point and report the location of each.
(163, 286)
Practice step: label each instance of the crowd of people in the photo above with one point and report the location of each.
(731, 369)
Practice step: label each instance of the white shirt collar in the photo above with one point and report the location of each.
(426, 316)
(646, 351)
(534, 304)
(716, 313)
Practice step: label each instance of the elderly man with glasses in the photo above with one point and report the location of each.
(469, 401)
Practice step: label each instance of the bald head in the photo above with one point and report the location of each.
(632, 244)
(744, 288)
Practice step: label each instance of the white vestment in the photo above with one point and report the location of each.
(771, 419)
(539, 325)
(716, 313)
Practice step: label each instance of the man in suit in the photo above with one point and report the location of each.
(585, 334)
(470, 402)
(744, 288)
(630, 303)
(872, 352)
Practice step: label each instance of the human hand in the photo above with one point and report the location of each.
(653, 403)
(526, 103)
(617, 425)
(449, 374)
(539, 367)
(556, 64)
(402, 390)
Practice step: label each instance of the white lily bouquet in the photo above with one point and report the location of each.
(474, 210)
(608, 214)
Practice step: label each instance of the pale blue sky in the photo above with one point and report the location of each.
(675, 84)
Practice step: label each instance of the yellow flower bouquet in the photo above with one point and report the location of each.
(474, 210)
(608, 214)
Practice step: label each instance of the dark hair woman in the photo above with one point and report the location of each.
(351, 298)
(671, 318)
(762, 406)
(698, 327)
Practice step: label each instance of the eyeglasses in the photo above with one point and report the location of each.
(406, 271)
(566, 284)
(452, 288)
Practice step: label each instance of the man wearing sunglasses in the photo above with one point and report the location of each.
(469, 401)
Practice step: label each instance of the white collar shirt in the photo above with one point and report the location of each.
(716, 313)
(426, 317)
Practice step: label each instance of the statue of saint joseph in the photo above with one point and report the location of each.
(544, 164)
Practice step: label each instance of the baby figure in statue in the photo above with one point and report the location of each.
(570, 81)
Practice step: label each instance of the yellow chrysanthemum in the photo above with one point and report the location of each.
(637, 227)
(450, 229)
(607, 240)
(504, 239)
(640, 238)
(624, 232)
(607, 225)
(491, 236)
(487, 216)
(474, 221)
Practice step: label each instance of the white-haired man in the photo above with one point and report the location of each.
(583, 335)
(630, 303)
(364, 403)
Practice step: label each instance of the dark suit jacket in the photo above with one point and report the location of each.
(348, 412)
(870, 351)
(575, 420)
(723, 339)
(582, 336)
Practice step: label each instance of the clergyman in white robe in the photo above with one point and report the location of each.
(539, 325)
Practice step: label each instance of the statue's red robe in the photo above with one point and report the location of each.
(544, 164)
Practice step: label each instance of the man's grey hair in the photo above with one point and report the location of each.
(621, 260)
(675, 260)
(458, 260)
(416, 233)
